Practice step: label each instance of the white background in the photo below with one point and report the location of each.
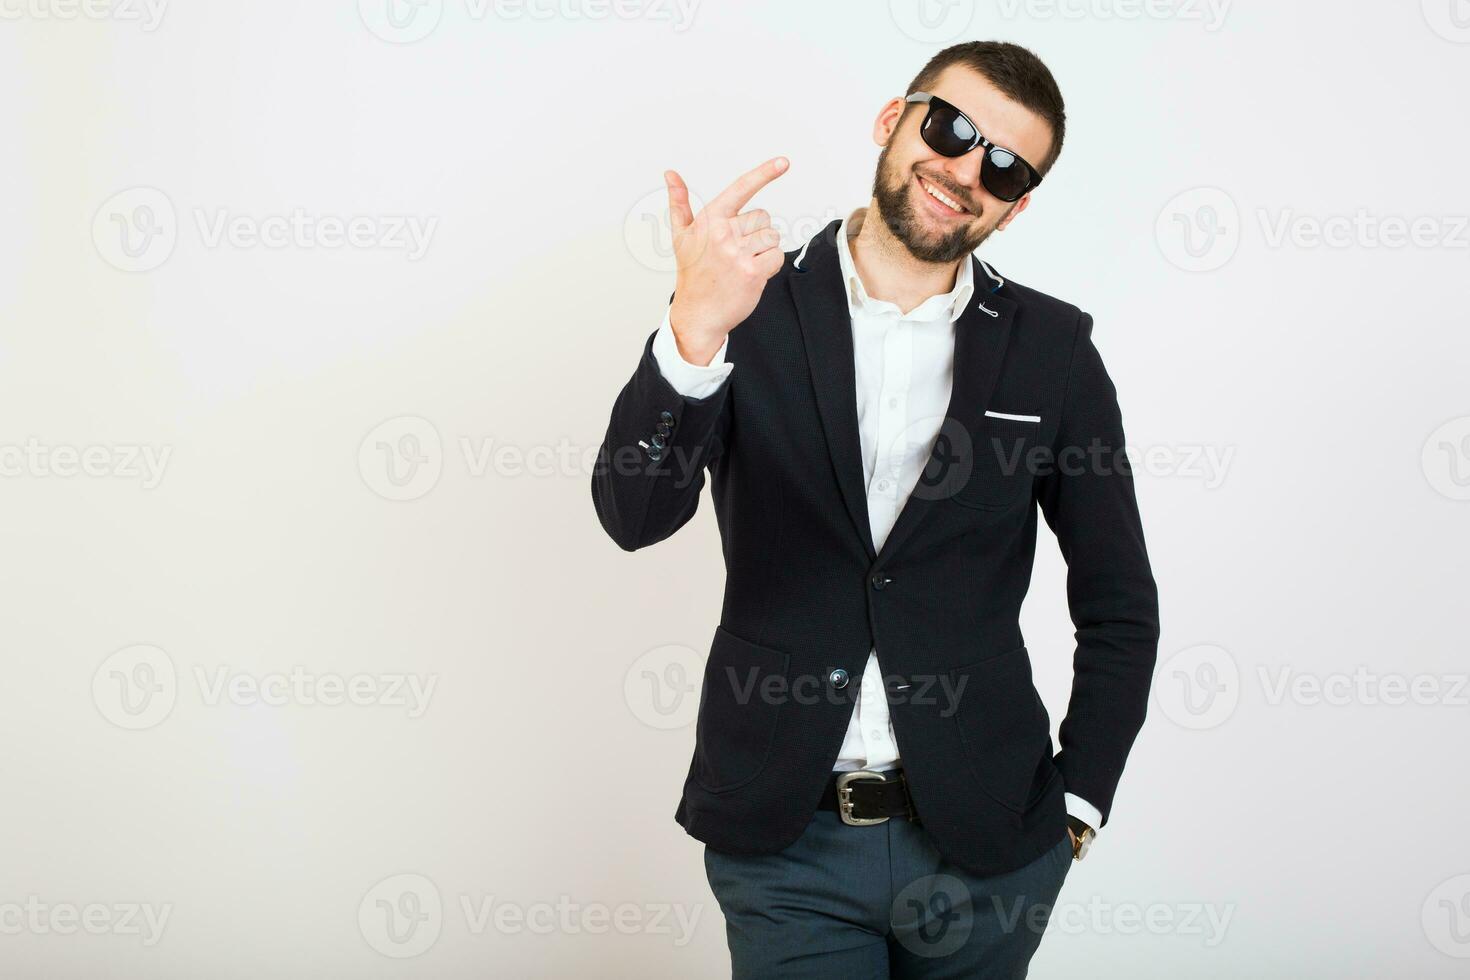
(284, 387)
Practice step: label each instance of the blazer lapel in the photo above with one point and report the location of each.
(826, 328)
(981, 335)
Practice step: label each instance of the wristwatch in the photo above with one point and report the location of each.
(1081, 835)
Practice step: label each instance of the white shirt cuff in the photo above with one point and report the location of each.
(1084, 811)
(689, 380)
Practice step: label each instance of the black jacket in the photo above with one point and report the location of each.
(806, 597)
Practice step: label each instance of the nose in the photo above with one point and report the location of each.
(965, 170)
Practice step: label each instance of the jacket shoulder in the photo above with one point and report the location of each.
(1046, 310)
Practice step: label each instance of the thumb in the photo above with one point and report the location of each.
(680, 214)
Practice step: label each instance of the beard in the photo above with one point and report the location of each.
(891, 191)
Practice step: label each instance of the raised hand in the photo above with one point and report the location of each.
(724, 256)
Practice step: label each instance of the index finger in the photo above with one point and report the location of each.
(737, 195)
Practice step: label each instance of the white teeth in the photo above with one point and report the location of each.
(947, 202)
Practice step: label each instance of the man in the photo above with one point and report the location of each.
(881, 416)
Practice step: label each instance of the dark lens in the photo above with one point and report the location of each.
(1004, 175)
(946, 131)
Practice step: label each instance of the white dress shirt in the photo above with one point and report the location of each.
(904, 368)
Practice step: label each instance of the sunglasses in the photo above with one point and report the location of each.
(949, 132)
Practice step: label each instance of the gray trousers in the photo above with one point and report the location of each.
(863, 903)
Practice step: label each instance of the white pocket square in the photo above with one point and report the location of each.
(1014, 418)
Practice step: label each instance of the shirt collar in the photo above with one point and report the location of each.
(858, 299)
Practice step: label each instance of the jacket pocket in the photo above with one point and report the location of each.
(738, 708)
(1000, 475)
(1005, 729)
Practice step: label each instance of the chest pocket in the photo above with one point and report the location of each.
(1000, 462)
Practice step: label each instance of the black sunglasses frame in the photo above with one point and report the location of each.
(926, 98)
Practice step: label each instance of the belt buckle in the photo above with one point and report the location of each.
(844, 797)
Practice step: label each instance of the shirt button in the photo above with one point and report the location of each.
(882, 484)
(838, 678)
(893, 403)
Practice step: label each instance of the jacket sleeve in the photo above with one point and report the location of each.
(1088, 500)
(650, 467)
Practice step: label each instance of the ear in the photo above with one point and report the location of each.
(887, 121)
(1016, 209)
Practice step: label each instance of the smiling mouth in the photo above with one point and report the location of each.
(949, 203)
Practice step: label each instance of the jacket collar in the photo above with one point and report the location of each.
(981, 336)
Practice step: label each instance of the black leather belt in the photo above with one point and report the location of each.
(863, 797)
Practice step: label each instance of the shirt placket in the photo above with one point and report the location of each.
(893, 397)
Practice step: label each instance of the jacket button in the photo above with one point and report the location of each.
(838, 678)
(663, 429)
(658, 441)
(667, 418)
(879, 580)
(655, 454)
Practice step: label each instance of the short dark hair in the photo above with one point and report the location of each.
(1017, 72)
